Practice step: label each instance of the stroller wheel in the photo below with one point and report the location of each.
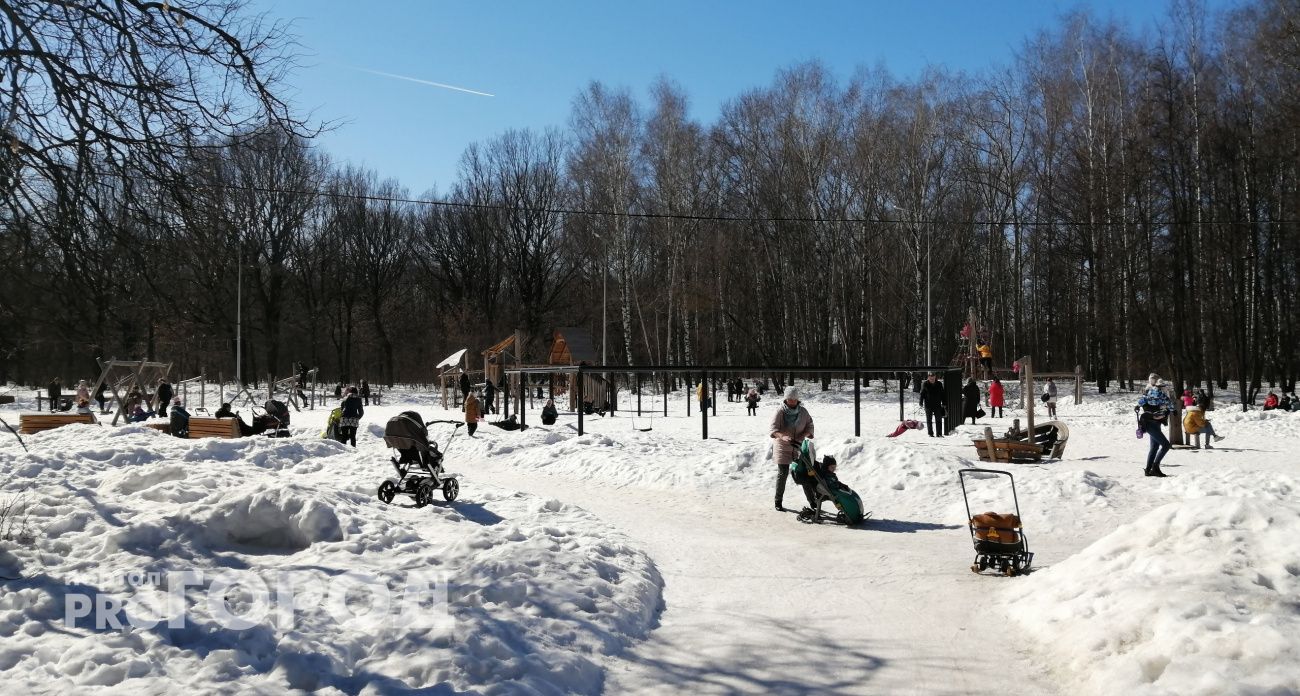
(423, 494)
(387, 490)
(450, 489)
(983, 563)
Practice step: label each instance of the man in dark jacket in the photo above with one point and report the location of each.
(464, 386)
(933, 397)
(164, 396)
(489, 397)
(353, 410)
(365, 392)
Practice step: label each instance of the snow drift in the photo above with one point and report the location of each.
(1195, 597)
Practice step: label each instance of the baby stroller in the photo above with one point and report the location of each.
(999, 539)
(274, 422)
(408, 434)
(806, 469)
(332, 425)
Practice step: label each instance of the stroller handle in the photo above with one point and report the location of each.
(448, 422)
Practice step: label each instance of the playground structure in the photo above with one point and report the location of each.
(298, 391)
(969, 340)
(121, 377)
(570, 347)
(1029, 392)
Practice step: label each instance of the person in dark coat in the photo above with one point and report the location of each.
(338, 390)
(464, 386)
(99, 397)
(180, 419)
(933, 397)
(353, 410)
(751, 402)
(489, 397)
(549, 413)
(164, 396)
(225, 412)
(365, 392)
(970, 401)
(54, 391)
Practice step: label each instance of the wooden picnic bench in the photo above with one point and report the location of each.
(205, 427)
(29, 423)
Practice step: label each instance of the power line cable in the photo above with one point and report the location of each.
(703, 218)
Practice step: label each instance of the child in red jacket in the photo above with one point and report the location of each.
(996, 398)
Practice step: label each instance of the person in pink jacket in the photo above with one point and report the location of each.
(791, 425)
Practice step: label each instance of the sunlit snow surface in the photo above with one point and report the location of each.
(1187, 585)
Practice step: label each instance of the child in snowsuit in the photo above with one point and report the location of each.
(997, 397)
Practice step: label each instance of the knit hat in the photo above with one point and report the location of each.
(177, 401)
(791, 393)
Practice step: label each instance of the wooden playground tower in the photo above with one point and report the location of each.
(969, 340)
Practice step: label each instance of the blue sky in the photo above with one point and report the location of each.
(536, 56)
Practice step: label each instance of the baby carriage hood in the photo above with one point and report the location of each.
(406, 431)
(277, 410)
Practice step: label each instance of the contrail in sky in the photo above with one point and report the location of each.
(424, 82)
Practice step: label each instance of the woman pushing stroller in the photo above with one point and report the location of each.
(791, 425)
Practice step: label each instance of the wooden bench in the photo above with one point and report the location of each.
(29, 423)
(1020, 449)
(205, 427)
(1015, 451)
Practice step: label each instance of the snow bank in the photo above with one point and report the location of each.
(1195, 597)
(536, 592)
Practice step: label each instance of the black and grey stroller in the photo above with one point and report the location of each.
(273, 421)
(419, 460)
(999, 538)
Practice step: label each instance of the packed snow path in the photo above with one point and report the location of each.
(758, 603)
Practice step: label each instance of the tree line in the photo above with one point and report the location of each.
(1112, 198)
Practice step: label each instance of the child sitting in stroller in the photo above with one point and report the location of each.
(821, 484)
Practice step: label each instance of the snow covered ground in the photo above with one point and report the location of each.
(624, 561)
